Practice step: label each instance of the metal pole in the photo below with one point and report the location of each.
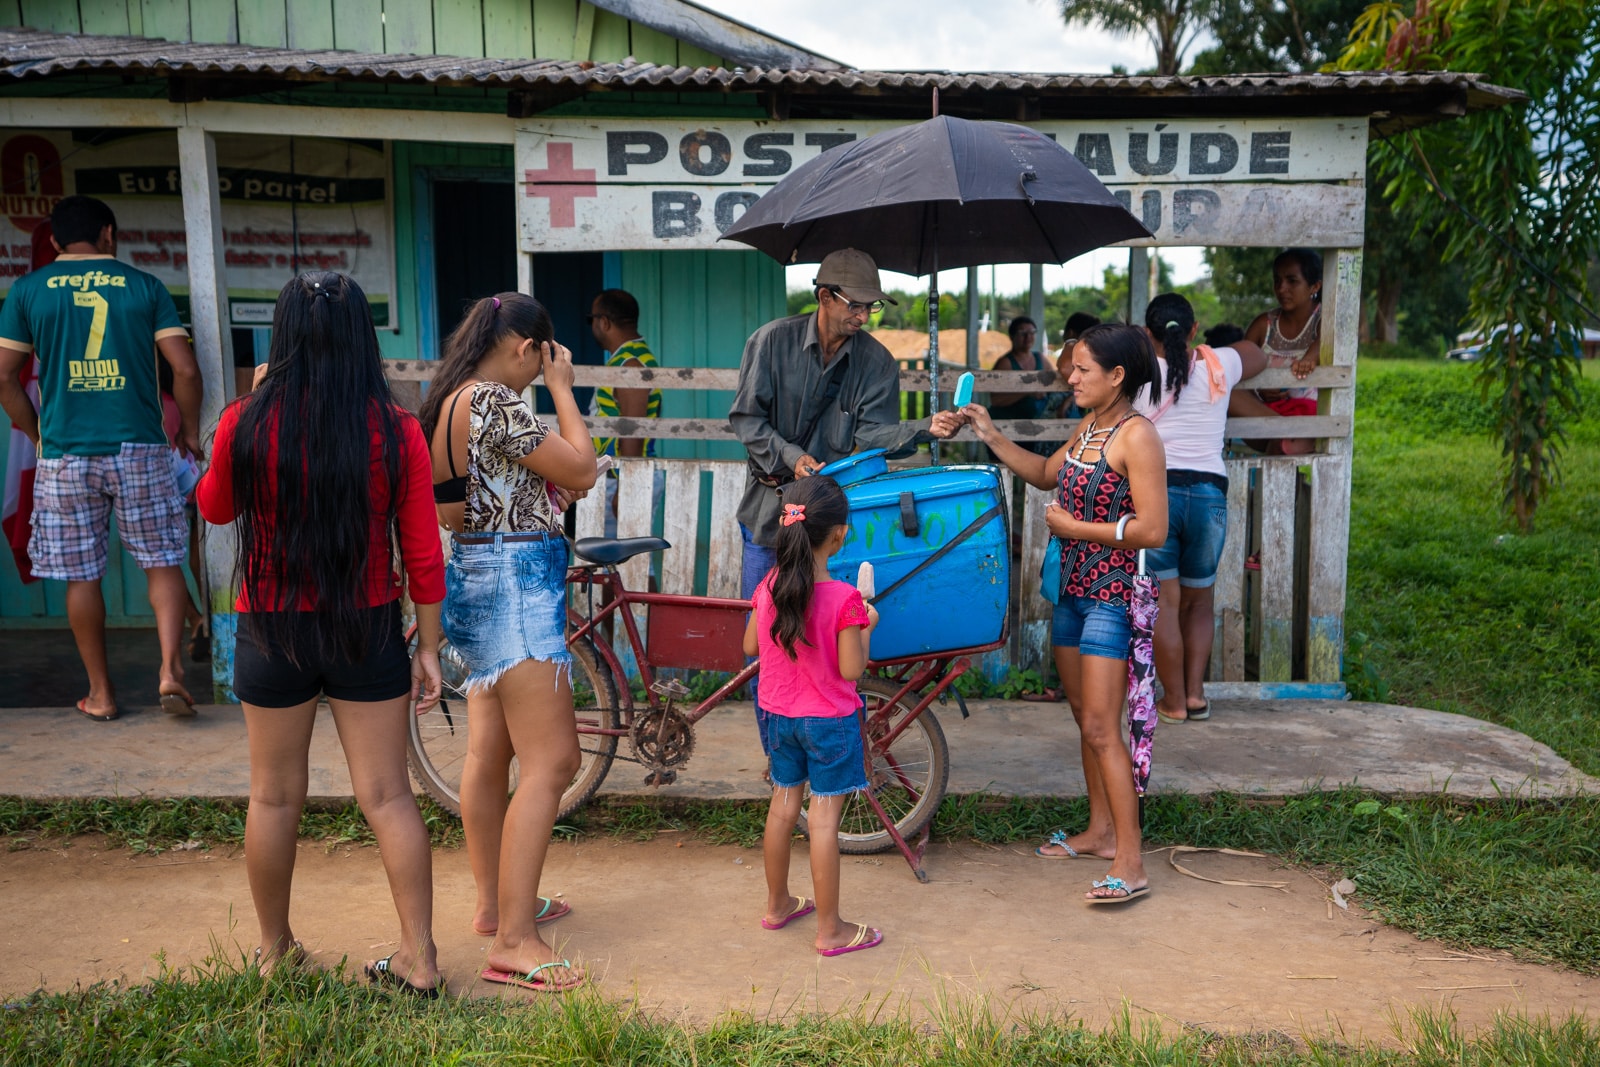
(1036, 304)
(933, 350)
(972, 318)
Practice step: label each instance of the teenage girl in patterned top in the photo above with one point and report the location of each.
(1111, 483)
(505, 611)
(1290, 334)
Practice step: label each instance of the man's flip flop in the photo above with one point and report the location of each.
(531, 981)
(83, 707)
(1200, 714)
(866, 937)
(1172, 720)
(177, 705)
(1116, 885)
(801, 910)
(1059, 839)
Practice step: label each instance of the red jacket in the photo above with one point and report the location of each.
(418, 522)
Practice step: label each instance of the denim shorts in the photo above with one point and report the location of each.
(823, 751)
(1197, 522)
(1094, 627)
(505, 602)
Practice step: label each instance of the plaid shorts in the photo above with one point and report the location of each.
(73, 498)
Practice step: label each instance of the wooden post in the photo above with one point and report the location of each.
(1330, 486)
(972, 318)
(202, 220)
(1036, 304)
(1138, 283)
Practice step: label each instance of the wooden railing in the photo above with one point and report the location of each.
(1279, 628)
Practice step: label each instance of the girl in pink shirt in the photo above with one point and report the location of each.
(812, 635)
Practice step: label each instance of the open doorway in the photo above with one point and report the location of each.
(475, 256)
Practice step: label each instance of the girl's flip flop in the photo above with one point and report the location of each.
(531, 981)
(83, 707)
(801, 910)
(1059, 839)
(866, 937)
(177, 705)
(1116, 885)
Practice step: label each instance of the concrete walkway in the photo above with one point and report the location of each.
(1269, 748)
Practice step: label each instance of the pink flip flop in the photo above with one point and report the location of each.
(866, 937)
(804, 908)
(531, 981)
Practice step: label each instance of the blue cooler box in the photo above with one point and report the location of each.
(905, 520)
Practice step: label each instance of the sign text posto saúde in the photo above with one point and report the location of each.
(588, 185)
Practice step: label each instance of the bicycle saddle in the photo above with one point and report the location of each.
(608, 551)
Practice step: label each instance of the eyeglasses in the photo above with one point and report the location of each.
(855, 307)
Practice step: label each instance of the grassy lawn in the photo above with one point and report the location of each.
(1449, 608)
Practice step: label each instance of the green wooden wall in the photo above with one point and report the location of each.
(496, 29)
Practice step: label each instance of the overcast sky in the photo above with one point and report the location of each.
(1024, 35)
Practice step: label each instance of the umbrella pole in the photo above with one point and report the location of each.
(933, 344)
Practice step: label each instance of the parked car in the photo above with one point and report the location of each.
(1471, 349)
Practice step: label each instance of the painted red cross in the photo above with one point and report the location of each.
(560, 184)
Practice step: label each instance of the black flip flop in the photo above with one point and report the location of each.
(379, 974)
(87, 714)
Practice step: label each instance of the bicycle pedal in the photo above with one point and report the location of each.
(670, 688)
(657, 779)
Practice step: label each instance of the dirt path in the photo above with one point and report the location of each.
(675, 927)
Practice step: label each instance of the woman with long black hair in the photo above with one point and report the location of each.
(1191, 415)
(494, 462)
(321, 473)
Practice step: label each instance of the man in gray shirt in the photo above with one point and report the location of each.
(812, 389)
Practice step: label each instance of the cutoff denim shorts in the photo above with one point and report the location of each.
(823, 751)
(1197, 523)
(505, 602)
(1094, 627)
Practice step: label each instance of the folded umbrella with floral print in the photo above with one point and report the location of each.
(1141, 677)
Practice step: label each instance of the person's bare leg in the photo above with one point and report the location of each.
(1098, 838)
(822, 825)
(1169, 652)
(279, 740)
(485, 793)
(537, 699)
(1105, 684)
(86, 614)
(776, 844)
(169, 598)
(373, 735)
(1196, 617)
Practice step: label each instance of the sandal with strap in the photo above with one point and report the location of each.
(531, 981)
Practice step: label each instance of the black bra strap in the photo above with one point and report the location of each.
(450, 433)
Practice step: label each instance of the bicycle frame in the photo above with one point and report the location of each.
(913, 674)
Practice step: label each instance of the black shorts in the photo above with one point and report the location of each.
(267, 679)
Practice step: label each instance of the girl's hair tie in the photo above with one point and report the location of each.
(496, 300)
(793, 513)
(1173, 322)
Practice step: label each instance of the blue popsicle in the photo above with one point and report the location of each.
(964, 390)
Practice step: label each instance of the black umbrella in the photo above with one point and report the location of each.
(943, 193)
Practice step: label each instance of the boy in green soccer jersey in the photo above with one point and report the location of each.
(95, 325)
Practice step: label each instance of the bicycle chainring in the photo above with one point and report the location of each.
(661, 738)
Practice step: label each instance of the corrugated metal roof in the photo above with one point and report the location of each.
(1396, 97)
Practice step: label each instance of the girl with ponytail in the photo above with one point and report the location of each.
(505, 611)
(812, 634)
(1191, 417)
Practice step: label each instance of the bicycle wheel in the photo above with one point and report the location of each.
(908, 778)
(594, 701)
(437, 745)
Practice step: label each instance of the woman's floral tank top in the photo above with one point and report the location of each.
(1093, 492)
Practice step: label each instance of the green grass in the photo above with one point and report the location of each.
(218, 1014)
(1449, 607)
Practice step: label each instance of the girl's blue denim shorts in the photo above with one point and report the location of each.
(1094, 627)
(826, 752)
(505, 602)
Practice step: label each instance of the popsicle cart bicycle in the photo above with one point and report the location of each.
(907, 756)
